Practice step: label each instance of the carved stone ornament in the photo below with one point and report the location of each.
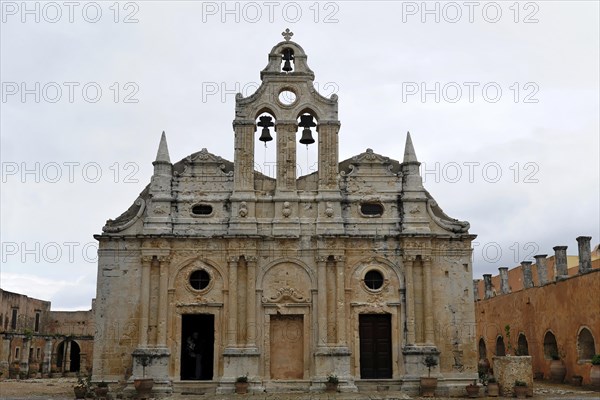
(287, 210)
(286, 293)
(243, 209)
(329, 209)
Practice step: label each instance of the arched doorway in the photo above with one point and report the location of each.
(522, 346)
(482, 349)
(550, 346)
(500, 349)
(60, 354)
(585, 345)
(74, 356)
(68, 350)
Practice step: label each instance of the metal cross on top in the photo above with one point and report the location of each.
(287, 35)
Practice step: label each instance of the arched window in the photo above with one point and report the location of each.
(482, 349)
(522, 346)
(500, 349)
(585, 345)
(550, 346)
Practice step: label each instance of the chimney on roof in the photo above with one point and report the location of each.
(585, 254)
(542, 272)
(487, 283)
(527, 275)
(504, 288)
(560, 262)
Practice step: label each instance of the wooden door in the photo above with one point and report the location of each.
(287, 347)
(375, 332)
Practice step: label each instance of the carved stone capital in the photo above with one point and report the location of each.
(251, 259)
(233, 259)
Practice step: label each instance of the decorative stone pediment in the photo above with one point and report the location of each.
(285, 295)
(203, 163)
(369, 163)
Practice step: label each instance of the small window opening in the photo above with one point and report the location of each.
(199, 279)
(202, 209)
(374, 279)
(36, 325)
(13, 321)
(371, 209)
(17, 352)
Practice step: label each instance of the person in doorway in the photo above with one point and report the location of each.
(194, 352)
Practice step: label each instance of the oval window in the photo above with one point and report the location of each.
(374, 279)
(371, 209)
(287, 97)
(202, 209)
(199, 279)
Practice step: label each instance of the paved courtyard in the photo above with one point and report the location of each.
(62, 389)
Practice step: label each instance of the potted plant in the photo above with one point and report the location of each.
(332, 383)
(473, 390)
(595, 370)
(241, 384)
(557, 368)
(143, 386)
(101, 389)
(82, 387)
(493, 389)
(520, 389)
(429, 384)
(576, 380)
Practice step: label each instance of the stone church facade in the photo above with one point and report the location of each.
(353, 270)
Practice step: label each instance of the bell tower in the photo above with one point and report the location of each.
(288, 95)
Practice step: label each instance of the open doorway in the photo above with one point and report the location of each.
(197, 346)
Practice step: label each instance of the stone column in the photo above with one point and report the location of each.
(504, 287)
(428, 301)
(585, 253)
(47, 364)
(243, 174)
(476, 289)
(542, 272)
(251, 302)
(286, 155)
(410, 300)
(163, 301)
(232, 315)
(527, 275)
(487, 282)
(144, 301)
(67, 356)
(560, 262)
(24, 362)
(341, 301)
(322, 299)
(328, 154)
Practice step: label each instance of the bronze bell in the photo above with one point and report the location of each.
(306, 122)
(288, 56)
(265, 123)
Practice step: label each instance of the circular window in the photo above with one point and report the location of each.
(374, 279)
(199, 279)
(287, 97)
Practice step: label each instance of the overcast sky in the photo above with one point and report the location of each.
(501, 100)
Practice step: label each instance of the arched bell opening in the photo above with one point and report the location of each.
(307, 148)
(265, 149)
(287, 60)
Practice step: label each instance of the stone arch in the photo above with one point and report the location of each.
(264, 271)
(482, 349)
(68, 356)
(286, 281)
(177, 270)
(586, 345)
(550, 345)
(522, 345)
(500, 348)
(265, 108)
(379, 260)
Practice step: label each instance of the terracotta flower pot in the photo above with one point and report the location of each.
(143, 386)
(331, 387)
(521, 392)
(79, 392)
(241, 387)
(595, 375)
(472, 391)
(557, 371)
(493, 389)
(428, 386)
